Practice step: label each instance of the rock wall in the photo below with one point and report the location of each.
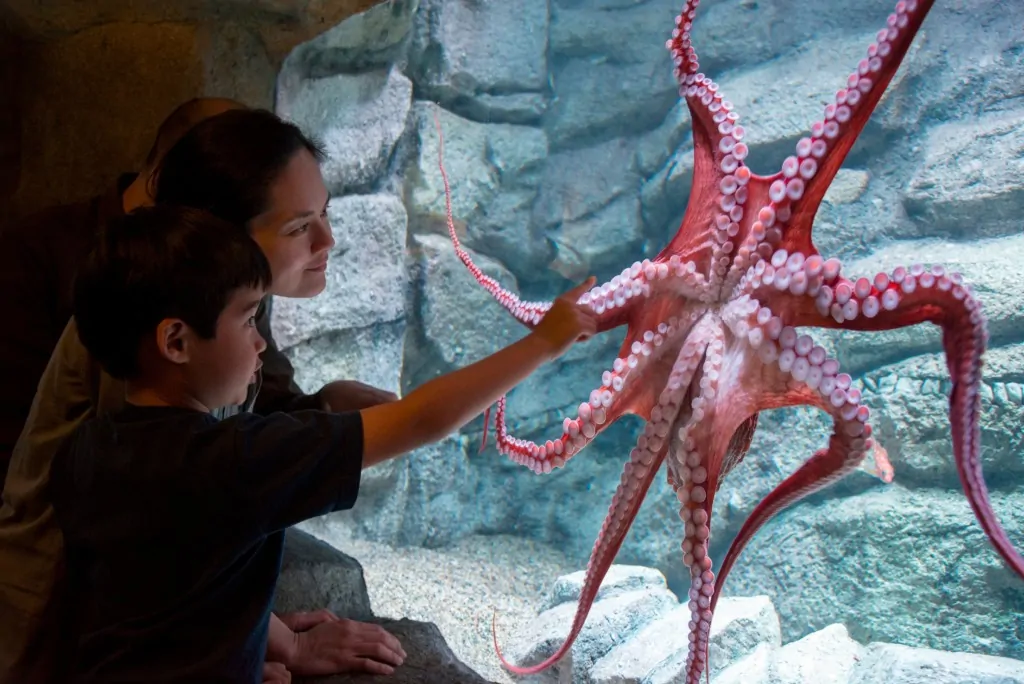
(85, 85)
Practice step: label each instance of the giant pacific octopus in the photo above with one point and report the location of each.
(716, 332)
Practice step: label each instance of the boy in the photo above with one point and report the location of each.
(173, 521)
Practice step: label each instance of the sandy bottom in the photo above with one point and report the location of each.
(458, 588)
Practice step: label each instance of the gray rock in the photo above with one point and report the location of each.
(366, 276)
(664, 197)
(577, 183)
(654, 149)
(618, 579)
(600, 99)
(410, 501)
(657, 653)
(428, 660)
(968, 185)
(827, 656)
(627, 32)
(460, 321)
(892, 564)
(493, 171)
(909, 404)
(315, 575)
(763, 95)
(372, 354)
(936, 84)
(897, 664)
(739, 34)
(358, 118)
(594, 244)
(610, 622)
(486, 61)
(369, 40)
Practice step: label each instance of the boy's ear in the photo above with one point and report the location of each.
(174, 340)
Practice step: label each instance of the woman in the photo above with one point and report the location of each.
(251, 168)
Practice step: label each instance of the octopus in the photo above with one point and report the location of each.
(717, 330)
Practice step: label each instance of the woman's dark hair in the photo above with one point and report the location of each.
(160, 262)
(226, 164)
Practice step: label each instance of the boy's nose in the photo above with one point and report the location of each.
(261, 344)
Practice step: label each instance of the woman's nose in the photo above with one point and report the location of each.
(325, 236)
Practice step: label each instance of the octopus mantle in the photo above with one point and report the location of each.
(715, 333)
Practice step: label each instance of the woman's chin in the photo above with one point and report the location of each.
(309, 284)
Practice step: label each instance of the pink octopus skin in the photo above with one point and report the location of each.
(712, 333)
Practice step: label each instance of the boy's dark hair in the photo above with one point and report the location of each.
(226, 164)
(156, 263)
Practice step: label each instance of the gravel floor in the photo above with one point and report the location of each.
(458, 588)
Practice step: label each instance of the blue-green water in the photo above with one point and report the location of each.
(571, 153)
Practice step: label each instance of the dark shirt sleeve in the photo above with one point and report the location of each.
(278, 391)
(288, 467)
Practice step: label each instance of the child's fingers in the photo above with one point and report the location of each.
(575, 293)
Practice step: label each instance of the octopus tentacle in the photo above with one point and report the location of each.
(732, 406)
(645, 459)
(908, 296)
(797, 190)
(529, 313)
(801, 373)
(607, 403)
(695, 479)
(719, 152)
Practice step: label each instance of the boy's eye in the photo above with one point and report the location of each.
(301, 229)
(251, 322)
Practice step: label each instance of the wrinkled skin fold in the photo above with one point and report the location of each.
(717, 332)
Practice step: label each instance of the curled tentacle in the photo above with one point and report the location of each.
(907, 296)
(616, 396)
(645, 459)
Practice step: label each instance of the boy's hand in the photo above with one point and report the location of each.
(337, 646)
(567, 322)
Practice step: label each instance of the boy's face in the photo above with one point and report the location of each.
(220, 370)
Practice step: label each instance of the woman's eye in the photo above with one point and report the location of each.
(301, 229)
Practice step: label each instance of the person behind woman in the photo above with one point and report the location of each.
(255, 170)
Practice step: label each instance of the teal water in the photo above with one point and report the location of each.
(570, 153)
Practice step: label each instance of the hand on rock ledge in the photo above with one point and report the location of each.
(333, 646)
(276, 673)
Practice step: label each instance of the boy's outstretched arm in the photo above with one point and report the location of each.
(443, 405)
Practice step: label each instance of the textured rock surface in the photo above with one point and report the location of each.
(486, 61)
(99, 77)
(315, 575)
(358, 118)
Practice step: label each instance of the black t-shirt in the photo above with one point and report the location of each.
(174, 528)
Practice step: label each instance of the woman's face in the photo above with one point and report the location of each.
(294, 232)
